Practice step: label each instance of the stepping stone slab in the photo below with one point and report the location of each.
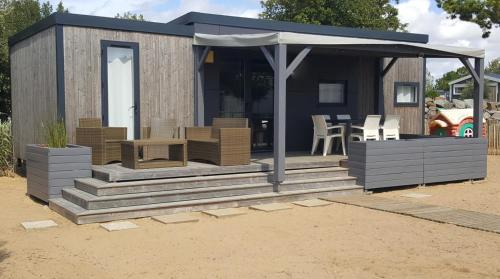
(270, 207)
(175, 218)
(415, 195)
(119, 226)
(39, 224)
(225, 212)
(312, 203)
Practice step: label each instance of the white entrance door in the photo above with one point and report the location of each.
(120, 89)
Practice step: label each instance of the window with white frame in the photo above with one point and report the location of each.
(332, 93)
(406, 93)
(458, 89)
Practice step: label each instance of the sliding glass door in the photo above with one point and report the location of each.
(259, 104)
(120, 82)
(245, 88)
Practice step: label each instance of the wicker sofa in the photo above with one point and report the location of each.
(225, 143)
(105, 141)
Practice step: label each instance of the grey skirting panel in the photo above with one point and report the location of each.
(417, 160)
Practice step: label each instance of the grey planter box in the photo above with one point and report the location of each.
(49, 170)
(417, 160)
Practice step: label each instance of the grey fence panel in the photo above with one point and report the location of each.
(417, 160)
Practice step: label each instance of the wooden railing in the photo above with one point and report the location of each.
(493, 137)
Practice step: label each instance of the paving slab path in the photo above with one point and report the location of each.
(459, 217)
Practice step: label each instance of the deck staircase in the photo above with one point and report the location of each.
(99, 200)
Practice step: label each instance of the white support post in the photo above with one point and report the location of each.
(279, 114)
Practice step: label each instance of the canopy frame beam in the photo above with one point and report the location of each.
(269, 57)
(200, 54)
(389, 66)
(298, 59)
(470, 68)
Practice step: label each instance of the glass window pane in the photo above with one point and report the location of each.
(231, 80)
(332, 93)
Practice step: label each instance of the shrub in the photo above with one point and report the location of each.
(431, 93)
(6, 158)
(55, 134)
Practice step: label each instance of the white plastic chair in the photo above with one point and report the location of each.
(322, 131)
(370, 129)
(390, 129)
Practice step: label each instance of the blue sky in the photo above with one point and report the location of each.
(422, 16)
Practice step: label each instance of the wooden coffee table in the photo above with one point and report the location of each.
(177, 153)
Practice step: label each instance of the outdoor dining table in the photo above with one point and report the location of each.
(347, 123)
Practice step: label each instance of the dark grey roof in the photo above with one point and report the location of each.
(182, 26)
(497, 76)
(487, 76)
(104, 23)
(283, 26)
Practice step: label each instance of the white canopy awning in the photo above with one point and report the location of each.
(266, 39)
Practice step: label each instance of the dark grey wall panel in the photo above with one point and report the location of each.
(302, 99)
(417, 160)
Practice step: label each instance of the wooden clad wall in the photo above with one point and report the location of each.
(34, 89)
(166, 75)
(405, 70)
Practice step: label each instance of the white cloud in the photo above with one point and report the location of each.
(150, 10)
(206, 6)
(107, 7)
(422, 18)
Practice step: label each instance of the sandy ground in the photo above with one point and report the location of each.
(336, 241)
(482, 196)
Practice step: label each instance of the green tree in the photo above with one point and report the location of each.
(468, 91)
(130, 15)
(493, 66)
(16, 15)
(442, 82)
(485, 13)
(61, 9)
(430, 86)
(374, 14)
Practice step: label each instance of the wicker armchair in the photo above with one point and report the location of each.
(226, 143)
(160, 129)
(105, 141)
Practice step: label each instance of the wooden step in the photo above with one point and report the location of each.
(115, 172)
(81, 215)
(102, 188)
(90, 201)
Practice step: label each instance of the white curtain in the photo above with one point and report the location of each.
(121, 89)
(406, 94)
